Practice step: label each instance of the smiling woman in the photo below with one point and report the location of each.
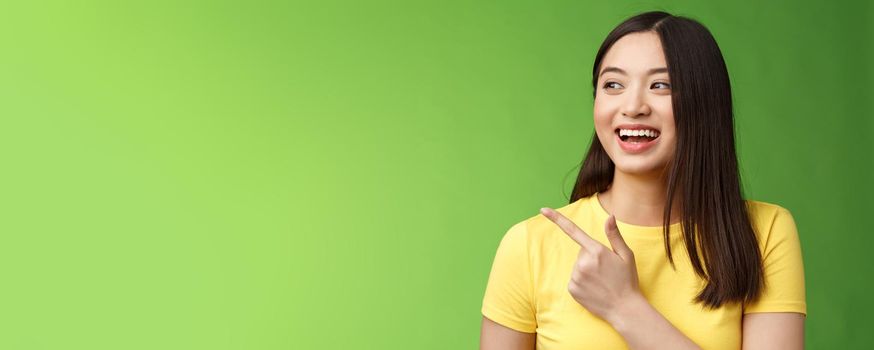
(660, 179)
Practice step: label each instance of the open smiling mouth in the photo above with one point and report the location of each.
(636, 140)
(637, 136)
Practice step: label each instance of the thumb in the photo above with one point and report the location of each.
(616, 240)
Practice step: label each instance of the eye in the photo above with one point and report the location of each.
(607, 84)
(667, 86)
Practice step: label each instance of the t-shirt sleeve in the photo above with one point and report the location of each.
(509, 298)
(783, 268)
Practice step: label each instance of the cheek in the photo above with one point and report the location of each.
(600, 108)
(602, 117)
(666, 109)
(602, 114)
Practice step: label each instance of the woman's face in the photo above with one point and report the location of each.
(634, 97)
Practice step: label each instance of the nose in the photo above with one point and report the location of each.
(635, 104)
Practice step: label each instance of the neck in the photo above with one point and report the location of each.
(638, 200)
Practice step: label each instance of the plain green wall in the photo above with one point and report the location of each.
(337, 175)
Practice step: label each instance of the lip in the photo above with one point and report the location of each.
(635, 147)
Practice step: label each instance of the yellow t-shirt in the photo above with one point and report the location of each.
(528, 284)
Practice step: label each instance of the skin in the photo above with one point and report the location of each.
(636, 196)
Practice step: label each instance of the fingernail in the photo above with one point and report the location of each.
(544, 211)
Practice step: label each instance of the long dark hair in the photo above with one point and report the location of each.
(702, 178)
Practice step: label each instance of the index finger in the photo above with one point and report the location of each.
(576, 233)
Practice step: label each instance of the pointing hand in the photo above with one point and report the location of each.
(602, 278)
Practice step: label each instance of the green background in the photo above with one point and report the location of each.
(338, 174)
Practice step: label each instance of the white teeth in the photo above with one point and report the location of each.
(648, 133)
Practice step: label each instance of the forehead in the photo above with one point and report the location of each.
(636, 53)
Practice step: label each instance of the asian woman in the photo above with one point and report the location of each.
(658, 248)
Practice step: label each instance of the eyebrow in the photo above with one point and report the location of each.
(620, 71)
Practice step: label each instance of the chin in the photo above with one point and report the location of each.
(640, 168)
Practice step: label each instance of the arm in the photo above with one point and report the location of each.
(773, 330)
(509, 296)
(643, 327)
(776, 320)
(494, 336)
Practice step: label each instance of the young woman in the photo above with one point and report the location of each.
(657, 249)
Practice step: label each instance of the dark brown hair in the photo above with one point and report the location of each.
(702, 178)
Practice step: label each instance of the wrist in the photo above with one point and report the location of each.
(631, 309)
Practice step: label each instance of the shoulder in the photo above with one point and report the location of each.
(765, 213)
(759, 207)
(761, 210)
(772, 223)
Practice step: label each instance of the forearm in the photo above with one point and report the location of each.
(644, 328)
